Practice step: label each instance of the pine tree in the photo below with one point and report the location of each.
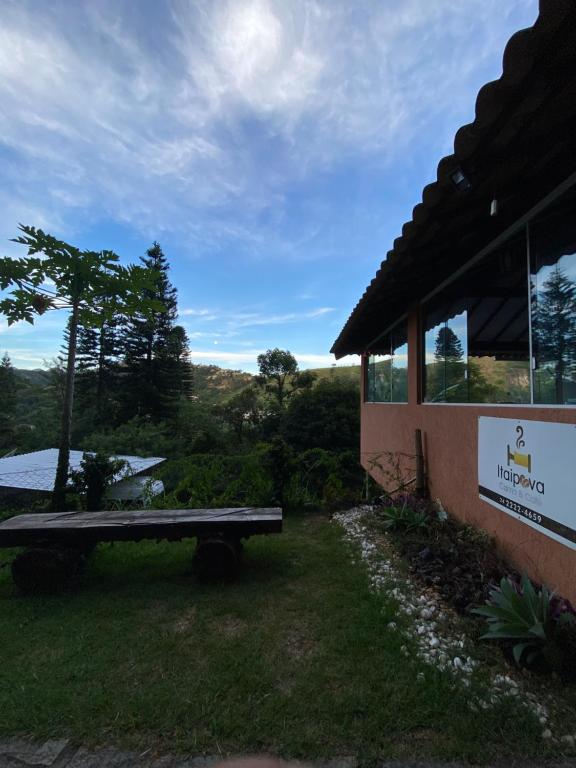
(451, 367)
(8, 391)
(554, 327)
(97, 368)
(448, 345)
(157, 368)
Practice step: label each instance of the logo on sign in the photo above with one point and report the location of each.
(518, 458)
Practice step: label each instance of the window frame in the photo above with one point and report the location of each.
(523, 223)
(367, 355)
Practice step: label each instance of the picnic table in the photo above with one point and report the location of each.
(57, 544)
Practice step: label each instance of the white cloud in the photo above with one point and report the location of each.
(214, 118)
(234, 320)
(247, 359)
(192, 312)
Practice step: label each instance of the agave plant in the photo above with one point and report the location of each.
(523, 615)
(404, 517)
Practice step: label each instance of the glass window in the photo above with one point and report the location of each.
(476, 339)
(387, 368)
(553, 283)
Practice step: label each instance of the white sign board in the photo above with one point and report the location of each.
(528, 470)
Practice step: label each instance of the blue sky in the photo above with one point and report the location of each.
(273, 148)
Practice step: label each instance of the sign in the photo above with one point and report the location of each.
(528, 470)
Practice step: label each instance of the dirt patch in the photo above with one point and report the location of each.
(229, 626)
(298, 644)
(155, 612)
(186, 621)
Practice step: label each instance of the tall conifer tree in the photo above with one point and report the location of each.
(156, 350)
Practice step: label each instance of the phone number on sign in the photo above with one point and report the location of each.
(515, 507)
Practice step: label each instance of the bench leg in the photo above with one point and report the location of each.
(217, 557)
(45, 570)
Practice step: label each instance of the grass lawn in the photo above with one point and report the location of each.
(294, 658)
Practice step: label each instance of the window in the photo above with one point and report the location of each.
(476, 336)
(387, 368)
(553, 284)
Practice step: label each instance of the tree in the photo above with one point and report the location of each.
(554, 326)
(8, 386)
(327, 416)
(8, 391)
(91, 285)
(98, 368)
(448, 345)
(96, 473)
(240, 410)
(156, 350)
(451, 367)
(280, 376)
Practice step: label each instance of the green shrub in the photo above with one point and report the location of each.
(326, 416)
(268, 476)
(95, 475)
(403, 517)
(520, 615)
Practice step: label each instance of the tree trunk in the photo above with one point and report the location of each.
(101, 373)
(59, 492)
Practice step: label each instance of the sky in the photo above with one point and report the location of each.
(273, 148)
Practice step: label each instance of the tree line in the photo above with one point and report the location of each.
(125, 384)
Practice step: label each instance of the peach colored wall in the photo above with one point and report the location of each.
(450, 435)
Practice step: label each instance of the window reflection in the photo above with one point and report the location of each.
(387, 369)
(553, 282)
(476, 333)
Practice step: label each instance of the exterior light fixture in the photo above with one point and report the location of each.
(494, 207)
(460, 180)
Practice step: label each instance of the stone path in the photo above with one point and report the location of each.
(61, 753)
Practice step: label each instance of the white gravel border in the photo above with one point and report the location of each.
(433, 628)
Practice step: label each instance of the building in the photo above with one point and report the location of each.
(32, 475)
(468, 330)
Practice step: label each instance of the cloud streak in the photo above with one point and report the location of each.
(209, 122)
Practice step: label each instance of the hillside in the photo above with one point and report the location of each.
(343, 373)
(213, 384)
(34, 376)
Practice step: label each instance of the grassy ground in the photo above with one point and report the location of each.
(294, 658)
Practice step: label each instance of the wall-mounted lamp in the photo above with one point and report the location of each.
(494, 207)
(460, 180)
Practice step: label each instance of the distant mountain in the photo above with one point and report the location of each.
(342, 373)
(211, 383)
(35, 376)
(214, 384)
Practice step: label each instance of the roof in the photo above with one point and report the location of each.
(37, 471)
(521, 146)
(134, 488)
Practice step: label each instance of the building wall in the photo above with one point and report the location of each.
(450, 437)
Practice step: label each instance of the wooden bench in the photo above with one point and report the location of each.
(58, 543)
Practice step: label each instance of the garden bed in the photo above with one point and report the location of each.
(446, 640)
(533, 627)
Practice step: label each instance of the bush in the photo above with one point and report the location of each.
(404, 517)
(327, 417)
(269, 476)
(519, 614)
(93, 478)
(542, 635)
(139, 437)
